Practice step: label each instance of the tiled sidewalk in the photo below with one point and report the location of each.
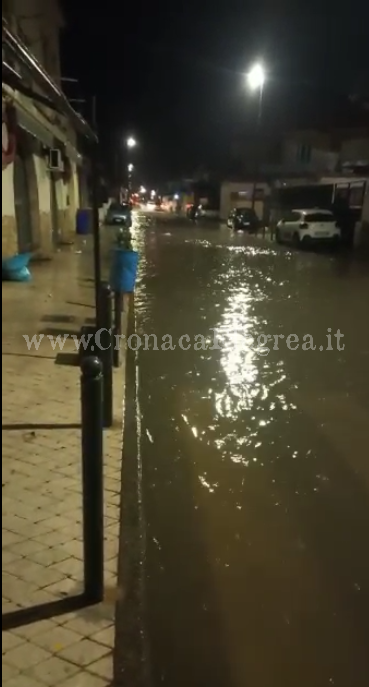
(41, 488)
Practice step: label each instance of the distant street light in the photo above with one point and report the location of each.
(256, 77)
(130, 167)
(256, 80)
(142, 189)
(131, 142)
(153, 194)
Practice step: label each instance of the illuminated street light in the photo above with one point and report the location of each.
(142, 189)
(131, 142)
(256, 77)
(130, 167)
(153, 194)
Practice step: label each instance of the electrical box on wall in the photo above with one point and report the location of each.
(55, 160)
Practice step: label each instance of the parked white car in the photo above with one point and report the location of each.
(303, 227)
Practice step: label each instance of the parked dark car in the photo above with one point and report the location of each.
(243, 218)
(119, 213)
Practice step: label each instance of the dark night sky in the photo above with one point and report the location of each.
(172, 74)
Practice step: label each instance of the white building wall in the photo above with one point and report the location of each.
(355, 150)
(244, 189)
(320, 159)
(9, 228)
(8, 208)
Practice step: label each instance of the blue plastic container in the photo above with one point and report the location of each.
(123, 271)
(83, 221)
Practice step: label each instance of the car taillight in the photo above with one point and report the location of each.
(303, 225)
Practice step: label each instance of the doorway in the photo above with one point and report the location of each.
(54, 211)
(22, 205)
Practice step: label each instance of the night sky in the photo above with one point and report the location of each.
(173, 73)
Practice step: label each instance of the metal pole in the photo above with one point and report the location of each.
(257, 148)
(106, 340)
(92, 475)
(96, 235)
(94, 119)
(118, 299)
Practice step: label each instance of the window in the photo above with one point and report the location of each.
(291, 216)
(240, 195)
(245, 213)
(319, 217)
(304, 153)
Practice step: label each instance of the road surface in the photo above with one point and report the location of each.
(255, 461)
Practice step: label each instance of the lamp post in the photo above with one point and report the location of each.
(130, 143)
(256, 80)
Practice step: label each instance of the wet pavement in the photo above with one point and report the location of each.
(255, 462)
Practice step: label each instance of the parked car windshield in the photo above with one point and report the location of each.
(118, 207)
(245, 213)
(319, 217)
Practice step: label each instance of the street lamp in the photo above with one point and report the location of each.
(131, 142)
(130, 167)
(256, 77)
(256, 80)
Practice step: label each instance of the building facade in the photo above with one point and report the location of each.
(40, 161)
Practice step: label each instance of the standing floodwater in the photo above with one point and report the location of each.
(255, 462)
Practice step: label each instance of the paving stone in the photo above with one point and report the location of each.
(8, 671)
(21, 681)
(84, 652)
(88, 626)
(85, 680)
(53, 671)
(57, 639)
(30, 631)
(25, 656)
(42, 485)
(103, 668)
(106, 636)
(9, 641)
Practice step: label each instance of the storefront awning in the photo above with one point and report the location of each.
(33, 127)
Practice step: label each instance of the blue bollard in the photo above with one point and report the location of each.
(123, 271)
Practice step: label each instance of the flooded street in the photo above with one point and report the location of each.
(255, 461)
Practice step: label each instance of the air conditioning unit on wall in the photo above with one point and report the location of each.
(56, 163)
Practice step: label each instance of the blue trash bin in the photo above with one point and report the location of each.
(123, 270)
(83, 221)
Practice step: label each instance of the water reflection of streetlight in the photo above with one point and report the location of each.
(256, 80)
(130, 170)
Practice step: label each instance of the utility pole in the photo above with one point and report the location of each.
(94, 113)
